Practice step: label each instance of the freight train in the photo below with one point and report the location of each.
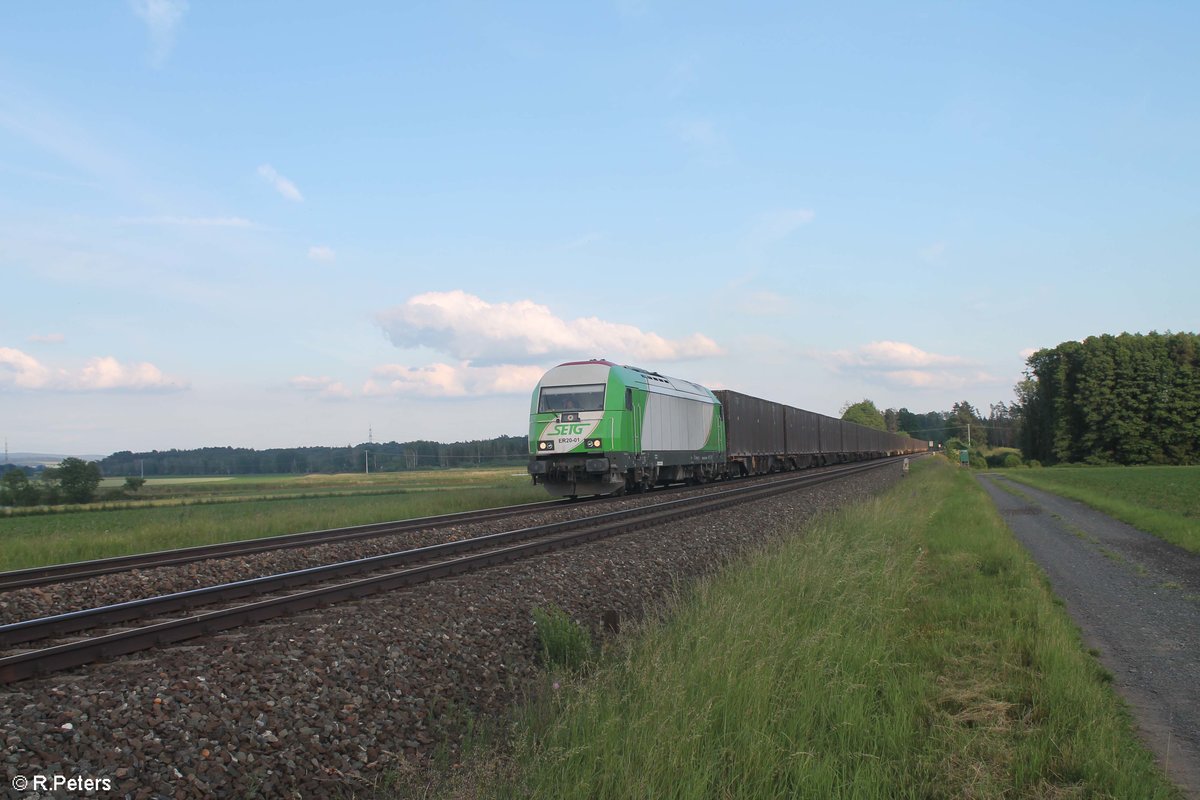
(596, 427)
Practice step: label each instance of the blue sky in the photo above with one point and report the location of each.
(280, 224)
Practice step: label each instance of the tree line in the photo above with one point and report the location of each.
(963, 422)
(1127, 399)
(375, 456)
(77, 481)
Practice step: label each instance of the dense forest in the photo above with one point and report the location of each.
(378, 457)
(1128, 399)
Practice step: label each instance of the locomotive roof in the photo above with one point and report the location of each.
(597, 371)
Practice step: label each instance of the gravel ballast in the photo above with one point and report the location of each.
(339, 696)
(60, 598)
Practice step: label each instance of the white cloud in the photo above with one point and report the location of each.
(281, 184)
(324, 387)
(775, 226)
(903, 364)
(584, 241)
(48, 338)
(934, 252)
(764, 304)
(448, 380)
(701, 133)
(195, 222)
(102, 373)
(681, 76)
(162, 18)
(22, 370)
(480, 333)
(1027, 352)
(940, 379)
(883, 355)
(319, 252)
(108, 373)
(632, 8)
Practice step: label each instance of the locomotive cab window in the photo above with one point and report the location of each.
(589, 397)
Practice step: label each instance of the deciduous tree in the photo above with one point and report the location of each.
(865, 413)
(78, 479)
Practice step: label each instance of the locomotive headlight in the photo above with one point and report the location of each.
(593, 444)
(545, 444)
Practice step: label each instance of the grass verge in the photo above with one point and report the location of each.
(1163, 501)
(905, 648)
(31, 541)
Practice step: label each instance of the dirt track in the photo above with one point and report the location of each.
(1137, 600)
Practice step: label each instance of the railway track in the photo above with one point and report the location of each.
(318, 586)
(81, 570)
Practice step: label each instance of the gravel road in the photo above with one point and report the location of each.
(1137, 600)
(333, 699)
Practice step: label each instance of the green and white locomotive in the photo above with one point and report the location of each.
(599, 428)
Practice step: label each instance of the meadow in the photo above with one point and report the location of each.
(907, 647)
(1164, 501)
(180, 512)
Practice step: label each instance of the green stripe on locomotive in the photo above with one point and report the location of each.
(621, 426)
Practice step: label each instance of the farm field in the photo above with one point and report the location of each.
(1164, 501)
(176, 490)
(185, 512)
(904, 648)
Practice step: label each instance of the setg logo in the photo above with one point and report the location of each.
(565, 435)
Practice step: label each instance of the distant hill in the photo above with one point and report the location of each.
(45, 459)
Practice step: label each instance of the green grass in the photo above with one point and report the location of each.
(1164, 501)
(904, 648)
(565, 643)
(198, 518)
(185, 490)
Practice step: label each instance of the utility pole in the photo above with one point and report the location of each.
(968, 435)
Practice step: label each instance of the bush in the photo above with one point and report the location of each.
(565, 643)
(1012, 460)
(17, 490)
(1033, 463)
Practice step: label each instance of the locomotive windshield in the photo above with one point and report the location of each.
(589, 397)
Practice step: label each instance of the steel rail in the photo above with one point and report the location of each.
(551, 537)
(80, 570)
(56, 625)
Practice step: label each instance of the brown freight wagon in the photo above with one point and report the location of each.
(754, 432)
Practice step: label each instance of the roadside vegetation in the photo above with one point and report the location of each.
(904, 648)
(205, 511)
(1164, 501)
